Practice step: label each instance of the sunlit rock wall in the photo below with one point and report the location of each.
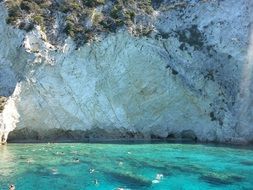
(12, 70)
(191, 79)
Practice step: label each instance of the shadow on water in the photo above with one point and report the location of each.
(142, 142)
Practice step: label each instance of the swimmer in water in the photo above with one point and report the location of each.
(96, 182)
(76, 160)
(11, 187)
(92, 170)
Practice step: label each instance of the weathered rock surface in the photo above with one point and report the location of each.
(192, 78)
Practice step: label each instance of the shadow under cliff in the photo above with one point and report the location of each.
(94, 135)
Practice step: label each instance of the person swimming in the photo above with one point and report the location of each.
(12, 187)
(96, 182)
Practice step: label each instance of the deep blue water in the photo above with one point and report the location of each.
(111, 166)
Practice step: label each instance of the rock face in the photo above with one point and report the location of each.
(191, 79)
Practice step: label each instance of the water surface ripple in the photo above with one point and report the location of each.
(127, 166)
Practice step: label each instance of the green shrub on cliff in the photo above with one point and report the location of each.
(39, 20)
(83, 18)
(14, 14)
(93, 3)
(70, 29)
(30, 7)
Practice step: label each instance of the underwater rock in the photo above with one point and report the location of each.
(247, 163)
(221, 179)
(129, 179)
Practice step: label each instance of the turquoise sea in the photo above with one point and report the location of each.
(159, 166)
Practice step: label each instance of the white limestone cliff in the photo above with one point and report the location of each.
(9, 117)
(192, 79)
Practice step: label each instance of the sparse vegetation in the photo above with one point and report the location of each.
(83, 18)
(93, 3)
(97, 17)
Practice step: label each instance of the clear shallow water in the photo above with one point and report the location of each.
(109, 166)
